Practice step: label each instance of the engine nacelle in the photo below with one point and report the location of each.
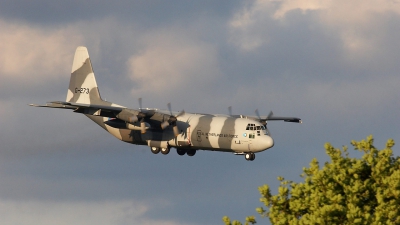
(119, 124)
(128, 116)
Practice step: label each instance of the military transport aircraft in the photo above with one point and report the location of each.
(163, 129)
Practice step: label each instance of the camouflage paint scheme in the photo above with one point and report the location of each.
(195, 131)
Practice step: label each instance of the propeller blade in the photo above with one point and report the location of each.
(142, 127)
(140, 103)
(164, 125)
(172, 120)
(262, 121)
(169, 108)
(258, 114)
(181, 113)
(270, 115)
(230, 110)
(176, 131)
(170, 111)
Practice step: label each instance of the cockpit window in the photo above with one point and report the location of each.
(252, 126)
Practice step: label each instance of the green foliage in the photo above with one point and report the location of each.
(344, 191)
(249, 220)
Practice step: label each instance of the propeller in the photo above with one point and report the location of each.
(264, 121)
(172, 120)
(230, 110)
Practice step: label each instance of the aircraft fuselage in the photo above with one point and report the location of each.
(199, 132)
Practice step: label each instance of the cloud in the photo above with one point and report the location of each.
(343, 12)
(243, 23)
(28, 53)
(339, 10)
(286, 6)
(351, 20)
(172, 60)
(85, 213)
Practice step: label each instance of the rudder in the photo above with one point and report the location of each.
(82, 85)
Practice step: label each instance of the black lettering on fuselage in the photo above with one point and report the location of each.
(220, 135)
(82, 90)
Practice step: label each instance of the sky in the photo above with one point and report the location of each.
(334, 64)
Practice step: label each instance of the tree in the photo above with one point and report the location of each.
(344, 191)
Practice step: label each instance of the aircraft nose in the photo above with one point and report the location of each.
(268, 142)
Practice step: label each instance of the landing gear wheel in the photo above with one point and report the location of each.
(181, 151)
(155, 150)
(191, 152)
(165, 151)
(250, 156)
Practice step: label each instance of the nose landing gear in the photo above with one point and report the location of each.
(250, 156)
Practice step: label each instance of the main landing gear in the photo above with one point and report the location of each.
(163, 151)
(180, 151)
(250, 156)
(189, 152)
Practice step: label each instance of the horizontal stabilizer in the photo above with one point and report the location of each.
(95, 110)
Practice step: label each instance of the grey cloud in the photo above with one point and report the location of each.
(147, 13)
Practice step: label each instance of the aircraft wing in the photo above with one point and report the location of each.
(263, 119)
(110, 110)
(286, 119)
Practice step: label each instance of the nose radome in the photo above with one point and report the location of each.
(268, 142)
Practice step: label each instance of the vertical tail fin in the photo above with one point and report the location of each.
(82, 86)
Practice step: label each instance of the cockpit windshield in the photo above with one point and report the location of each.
(252, 126)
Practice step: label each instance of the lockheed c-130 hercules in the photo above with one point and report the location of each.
(163, 129)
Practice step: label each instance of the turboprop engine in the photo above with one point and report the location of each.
(132, 117)
(120, 124)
